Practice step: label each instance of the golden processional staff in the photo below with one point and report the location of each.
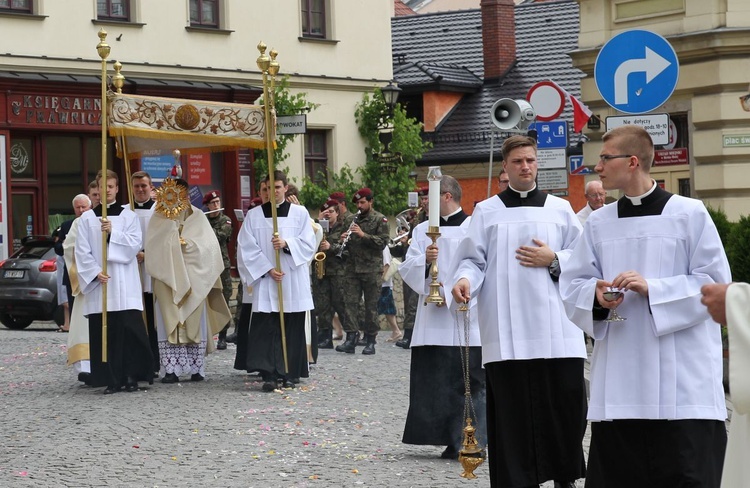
(269, 66)
(103, 49)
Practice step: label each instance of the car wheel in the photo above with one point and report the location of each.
(59, 315)
(15, 323)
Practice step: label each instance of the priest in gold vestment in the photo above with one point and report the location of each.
(184, 260)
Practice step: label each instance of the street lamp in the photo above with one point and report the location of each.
(388, 162)
(390, 96)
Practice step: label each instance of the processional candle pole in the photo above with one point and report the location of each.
(433, 231)
(269, 67)
(103, 49)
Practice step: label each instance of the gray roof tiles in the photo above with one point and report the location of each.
(545, 33)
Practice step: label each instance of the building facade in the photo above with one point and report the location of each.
(709, 153)
(50, 106)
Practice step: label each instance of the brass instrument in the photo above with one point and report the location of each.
(320, 257)
(340, 253)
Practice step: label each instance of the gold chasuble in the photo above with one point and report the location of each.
(183, 257)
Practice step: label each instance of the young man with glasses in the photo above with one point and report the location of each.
(657, 405)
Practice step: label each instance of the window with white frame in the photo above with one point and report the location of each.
(316, 155)
(17, 6)
(315, 18)
(205, 13)
(118, 10)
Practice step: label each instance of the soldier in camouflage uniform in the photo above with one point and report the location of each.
(327, 291)
(222, 226)
(411, 297)
(368, 235)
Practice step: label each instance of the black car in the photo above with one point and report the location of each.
(28, 284)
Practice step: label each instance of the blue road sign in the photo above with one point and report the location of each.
(577, 167)
(636, 71)
(551, 135)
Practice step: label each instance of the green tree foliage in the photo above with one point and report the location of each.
(286, 103)
(390, 189)
(314, 195)
(738, 250)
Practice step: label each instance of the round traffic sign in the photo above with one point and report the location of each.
(636, 71)
(547, 99)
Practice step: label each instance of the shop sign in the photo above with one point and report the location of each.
(48, 111)
(667, 157)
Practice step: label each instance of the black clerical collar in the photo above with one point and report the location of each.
(531, 198)
(112, 209)
(282, 209)
(455, 219)
(145, 205)
(650, 203)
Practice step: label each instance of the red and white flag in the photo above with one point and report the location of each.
(581, 113)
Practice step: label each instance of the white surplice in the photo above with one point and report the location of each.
(124, 287)
(144, 216)
(78, 335)
(520, 312)
(436, 326)
(736, 472)
(664, 361)
(256, 257)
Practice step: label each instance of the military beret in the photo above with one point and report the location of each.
(339, 196)
(362, 193)
(329, 203)
(255, 202)
(210, 196)
(423, 191)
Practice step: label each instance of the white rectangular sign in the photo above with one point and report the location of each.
(551, 159)
(291, 124)
(552, 179)
(657, 125)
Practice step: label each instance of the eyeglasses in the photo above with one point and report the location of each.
(596, 195)
(606, 157)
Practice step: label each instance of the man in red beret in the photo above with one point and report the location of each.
(328, 288)
(340, 197)
(222, 226)
(366, 237)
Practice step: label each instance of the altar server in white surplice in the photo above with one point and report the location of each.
(143, 206)
(128, 354)
(728, 304)
(657, 405)
(436, 387)
(257, 265)
(510, 261)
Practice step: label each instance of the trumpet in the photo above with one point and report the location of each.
(340, 253)
(395, 241)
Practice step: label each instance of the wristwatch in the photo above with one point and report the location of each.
(554, 268)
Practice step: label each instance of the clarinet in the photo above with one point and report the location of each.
(340, 253)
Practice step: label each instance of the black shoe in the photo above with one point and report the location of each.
(269, 386)
(131, 385)
(170, 378)
(84, 377)
(196, 377)
(110, 390)
(325, 339)
(221, 344)
(287, 384)
(350, 344)
(232, 338)
(405, 342)
(449, 453)
(369, 344)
